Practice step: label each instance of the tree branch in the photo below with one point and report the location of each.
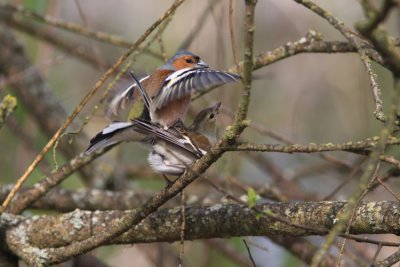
(63, 200)
(362, 146)
(201, 222)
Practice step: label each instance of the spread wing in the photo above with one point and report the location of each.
(171, 135)
(183, 82)
(122, 101)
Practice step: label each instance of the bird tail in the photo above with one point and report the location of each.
(113, 134)
(145, 96)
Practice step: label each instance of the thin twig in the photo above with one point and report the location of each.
(233, 38)
(348, 178)
(355, 40)
(378, 250)
(183, 224)
(387, 189)
(249, 252)
(200, 23)
(389, 261)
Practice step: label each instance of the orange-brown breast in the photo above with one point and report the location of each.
(153, 84)
(174, 111)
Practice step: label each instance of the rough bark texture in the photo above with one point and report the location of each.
(216, 221)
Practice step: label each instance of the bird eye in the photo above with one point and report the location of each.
(211, 116)
(189, 60)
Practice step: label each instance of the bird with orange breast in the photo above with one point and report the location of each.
(170, 87)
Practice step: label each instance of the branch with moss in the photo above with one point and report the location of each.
(312, 42)
(379, 37)
(362, 146)
(358, 42)
(24, 239)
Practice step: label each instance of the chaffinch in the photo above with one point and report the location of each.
(170, 87)
(173, 149)
(174, 152)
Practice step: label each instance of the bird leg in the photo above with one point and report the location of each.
(168, 181)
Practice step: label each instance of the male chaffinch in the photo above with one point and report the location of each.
(170, 87)
(173, 149)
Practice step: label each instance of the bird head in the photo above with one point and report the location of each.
(184, 59)
(205, 122)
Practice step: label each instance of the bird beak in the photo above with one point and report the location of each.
(216, 106)
(202, 64)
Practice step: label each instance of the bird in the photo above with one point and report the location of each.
(172, 150)
(170, 87)
(169, 157)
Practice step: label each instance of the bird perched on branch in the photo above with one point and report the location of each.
(173, 149)
(170, 87)
(173, 155)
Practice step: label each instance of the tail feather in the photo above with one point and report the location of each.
(113, 134)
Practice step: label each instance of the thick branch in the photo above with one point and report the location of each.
(201, 222)
(64, 200)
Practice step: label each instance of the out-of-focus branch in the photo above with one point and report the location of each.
(64, 200)
(229, 251)
(389, 261)
(199, 25)
(301, 248)
(9, 10)
(35, 95)
(68, 26)
(26, 139)
(64, 44)
(23, 200)
(7, 105)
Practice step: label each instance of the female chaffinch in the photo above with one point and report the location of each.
(170, 87)
(173, 149)
(174, 153)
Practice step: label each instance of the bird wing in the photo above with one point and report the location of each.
(122, 101)
(184, 81)
(171, 135)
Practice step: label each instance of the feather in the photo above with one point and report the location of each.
(122, 101)
(171, 135)
(183, 82)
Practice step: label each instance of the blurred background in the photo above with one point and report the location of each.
(307, 98)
